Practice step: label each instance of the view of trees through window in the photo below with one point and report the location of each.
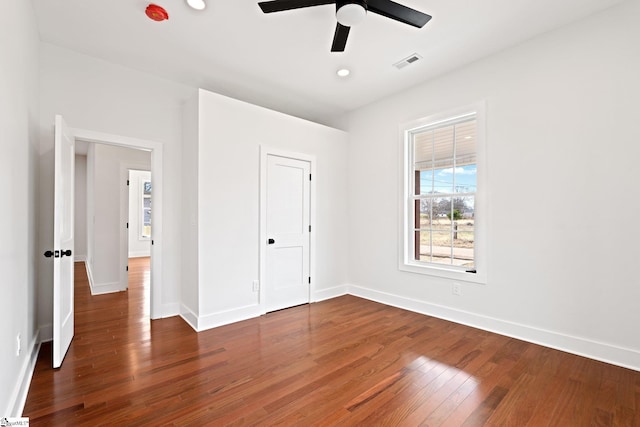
(445, 183)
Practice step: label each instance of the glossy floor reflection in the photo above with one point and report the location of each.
(341, 362)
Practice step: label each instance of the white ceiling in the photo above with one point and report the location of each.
(283, 60)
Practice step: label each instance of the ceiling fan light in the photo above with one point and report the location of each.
(351, 14)
(197, 4)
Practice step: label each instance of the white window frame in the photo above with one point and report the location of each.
(142, 209)
(406, 224)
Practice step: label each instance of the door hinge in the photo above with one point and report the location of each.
(152, 242)
(127, 225)
(309, 229)
(309, 177)
(127, 182)
(127, 268)
(309, 279)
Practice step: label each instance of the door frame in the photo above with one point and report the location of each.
(156, 150)
(265, 152)
(125, 167)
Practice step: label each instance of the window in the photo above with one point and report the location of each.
(441, 195)
(145, 226)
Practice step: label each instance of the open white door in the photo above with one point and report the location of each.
(64, 164)
(287, 226)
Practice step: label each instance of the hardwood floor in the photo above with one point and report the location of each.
(345, 361)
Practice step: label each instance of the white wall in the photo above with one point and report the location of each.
(138, 246)
(18, 190)
(230, 135)
(110, 173)
(100, 96)
(190, 279)
(562, 144)
(80, 215)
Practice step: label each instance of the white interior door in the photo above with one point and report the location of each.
(287, 227)
(63, 241)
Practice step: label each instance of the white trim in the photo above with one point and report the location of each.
(139, 254)
(266, 151)
(189, 316)
(325, 294)
(89, 276)
(226, 317)
(156, 148)
(106, 288)
(481, 203)
(596, 350)
(18, 397)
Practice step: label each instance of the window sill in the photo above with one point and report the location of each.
(444, 272)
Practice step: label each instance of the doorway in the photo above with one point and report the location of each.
(156, 152)
(286, 230)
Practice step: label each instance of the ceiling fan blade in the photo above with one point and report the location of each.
(281, 5)
(398, 12)
(340, 38)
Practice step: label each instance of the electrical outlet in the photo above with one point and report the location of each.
(455, 289)
(18, 345)
(256, 286)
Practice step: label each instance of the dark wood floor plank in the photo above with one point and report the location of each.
(342, 362)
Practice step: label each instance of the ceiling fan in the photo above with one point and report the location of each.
(352, 12)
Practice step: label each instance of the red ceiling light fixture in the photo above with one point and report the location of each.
(157, 13)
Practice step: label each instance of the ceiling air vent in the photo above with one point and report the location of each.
(407, 61)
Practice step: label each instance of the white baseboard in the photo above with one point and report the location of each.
(222, 318)
(89, 276)
(79, 258)
(106, 288)
(139, 254)
(324, 294)
(189, 316)
(603, 352)
(21, 389)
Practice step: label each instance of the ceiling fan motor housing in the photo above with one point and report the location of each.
(351, 12)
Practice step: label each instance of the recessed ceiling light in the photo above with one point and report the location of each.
(343, 72)
(196, 4)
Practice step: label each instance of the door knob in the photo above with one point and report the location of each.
(271, 241)
(57, 254)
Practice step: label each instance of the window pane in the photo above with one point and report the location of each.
(463, 252)
(424, 237)
(426, 213)
(147, 217)
(443, 147)
(425, 184)
(146, 202)
(441, 247)
(442, 210)
(466, 143)
(466, 179)
(444, 166)
(443, 181)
